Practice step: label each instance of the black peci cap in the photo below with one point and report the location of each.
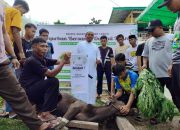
(132, 36)
(153, 24)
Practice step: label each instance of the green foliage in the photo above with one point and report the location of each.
(94, 21)
(59, 22)
(151, 100)
(99, 102)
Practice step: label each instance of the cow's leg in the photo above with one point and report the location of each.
(82, 117)
(95, 118)
(73, 110)
(100, 115)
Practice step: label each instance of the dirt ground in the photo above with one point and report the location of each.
(145, 125)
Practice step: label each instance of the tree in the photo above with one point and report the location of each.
(59, 22)
(94, 21)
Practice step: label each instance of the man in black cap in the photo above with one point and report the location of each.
(174, 69)
(172, 5)
(157, 51)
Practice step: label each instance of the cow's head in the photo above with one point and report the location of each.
(115, 103)
(118, 104)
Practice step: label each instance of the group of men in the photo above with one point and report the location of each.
(32, 59)
(108, 58)
(155, 54)
(123, 81)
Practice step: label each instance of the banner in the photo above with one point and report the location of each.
(79, 77)
(66, 37)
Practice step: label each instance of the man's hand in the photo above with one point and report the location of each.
(15, 63)
(98, 62)
(139, 69)
(67, 57)
(125, 109)
(143, 67)
(22, 61)
(21, 55)
(170, 71)
(112, 94)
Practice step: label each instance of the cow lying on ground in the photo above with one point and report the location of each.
(71, 108)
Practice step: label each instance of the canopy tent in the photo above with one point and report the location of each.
(152, 12)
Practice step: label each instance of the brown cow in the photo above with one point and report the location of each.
(71, 108)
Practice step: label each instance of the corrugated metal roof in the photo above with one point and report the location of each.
(120, 13)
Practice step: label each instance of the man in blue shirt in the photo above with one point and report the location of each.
(125, 82)
(119, 59)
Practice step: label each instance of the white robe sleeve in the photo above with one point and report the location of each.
(77, 50)
(98, 55)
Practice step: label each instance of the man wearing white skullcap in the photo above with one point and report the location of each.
(91, 50)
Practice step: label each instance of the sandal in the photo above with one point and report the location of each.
(59, 123)
(3, 113)
(12, 115)
(139, 118)
(154, 121)
(98, 97)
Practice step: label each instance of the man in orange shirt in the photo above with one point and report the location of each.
(13, 20)
(10, 89)
(13, 23)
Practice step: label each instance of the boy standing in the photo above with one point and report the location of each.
(131, 53)
(107, 58)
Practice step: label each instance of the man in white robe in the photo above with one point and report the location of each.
(90, 49)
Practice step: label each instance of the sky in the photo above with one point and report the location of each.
(76, 11)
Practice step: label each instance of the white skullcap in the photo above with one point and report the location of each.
(90, 30)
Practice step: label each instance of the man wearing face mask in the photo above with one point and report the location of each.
(174, 68)
(90, 49)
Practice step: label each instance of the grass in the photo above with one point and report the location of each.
(12, 124)
(1, 102)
